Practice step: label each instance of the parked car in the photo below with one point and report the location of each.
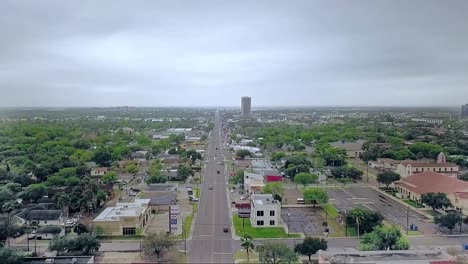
(225, 229)
(210, 187)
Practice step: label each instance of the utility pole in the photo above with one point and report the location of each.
(185, 236)
(346, 223)
(407, 220)
(357, 224)
(461, 220)
(367, 172)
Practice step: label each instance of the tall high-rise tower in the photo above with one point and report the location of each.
(464, 111)
(246, 105)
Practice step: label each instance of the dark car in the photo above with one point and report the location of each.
(225, 229)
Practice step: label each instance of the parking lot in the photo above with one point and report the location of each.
(393, 211)
(303, 220)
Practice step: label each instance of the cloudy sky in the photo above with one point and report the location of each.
(208, 53)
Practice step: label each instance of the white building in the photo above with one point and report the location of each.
(265, 211)
(253, 182)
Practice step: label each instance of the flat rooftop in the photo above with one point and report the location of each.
(263, 199)
(123, 210)
(162, 187)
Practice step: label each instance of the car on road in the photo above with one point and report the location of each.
(210, 187)
(225, 229)
(32, 235)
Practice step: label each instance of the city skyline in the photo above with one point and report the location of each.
(311, 54)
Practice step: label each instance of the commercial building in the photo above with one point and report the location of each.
(124, 218)
(464, 111)
(246, 105)
(409, 167)
(265, 211)
(253, 182)
(414, 186)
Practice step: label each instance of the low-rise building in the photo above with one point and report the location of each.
(353, 149)
(124, 218)
(253, 182)
(100, 171)
(50, 232)
(39, 217)
(265, 211)
(414, 186)
(408, 168)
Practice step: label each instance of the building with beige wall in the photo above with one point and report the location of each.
(124, 218)
(353, 149)
(265, 211)
(408, 168)
(414, 186)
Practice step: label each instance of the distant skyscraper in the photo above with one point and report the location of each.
(246, 105)
(464, 111)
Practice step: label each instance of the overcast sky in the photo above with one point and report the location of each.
(210, 53)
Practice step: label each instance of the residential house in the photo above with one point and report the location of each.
(353, 149)
(265, 211)
(414, 186)
(50, 232)
(39, 217)
(124, 218)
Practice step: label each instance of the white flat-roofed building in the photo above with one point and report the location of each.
(124, 218)
(265, 211)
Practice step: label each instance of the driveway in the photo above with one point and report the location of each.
(303, 220)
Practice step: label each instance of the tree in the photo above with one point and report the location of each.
(347, 172)
(384, 238)
(305, 178)
(278, 156)
(103, 157)
(242, 153)
(366, 218)
(132, 168)
(388, 178)
(157, 244)
(315, 196)
(156, 179)
(274, 188)
(449, 220)
(276, 253)
(238, 178)
(464, 176)
(183, 171)
(34, 192)
(436, 200)
(110, 177)
(11, 256)
(13, 187)
(85, 243)
(80, 229)
(247, 244)
(311, 246)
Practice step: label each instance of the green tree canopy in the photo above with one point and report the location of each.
(315, 196)
(436, 200)
(384, 238)
(449, 220)
(310, 246)
(157, 244)
(366, 218)
(305, 178)
(276, 253)
(274, 188)
(388, 177)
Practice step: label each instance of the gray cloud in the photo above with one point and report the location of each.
(159, 53)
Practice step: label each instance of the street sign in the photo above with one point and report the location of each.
(175, 210)
(174, 221)
(243, 212)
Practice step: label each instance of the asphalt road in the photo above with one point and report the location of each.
(210, 244)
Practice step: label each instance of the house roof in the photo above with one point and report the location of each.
(428, 164)
(160, 198)
(49, 229)
(103, 169)
(428, 181)
(350, 146)
(40, 215)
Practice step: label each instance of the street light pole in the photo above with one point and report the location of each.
(289, 214)
(357, 224)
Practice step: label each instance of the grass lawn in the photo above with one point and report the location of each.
(414, 233)
(187, 226)
(413, 203)
(197, 192)
(195, 207)
(136, 237)
(331, 211)
(241, 256)
(264, 232)
(432, 212)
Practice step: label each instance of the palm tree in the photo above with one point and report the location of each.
(247, 244)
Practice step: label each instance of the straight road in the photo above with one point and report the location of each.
(210, 244)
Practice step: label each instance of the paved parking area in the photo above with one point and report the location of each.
(393, 211)
(303, 220)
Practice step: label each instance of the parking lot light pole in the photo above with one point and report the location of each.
(289, 214)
